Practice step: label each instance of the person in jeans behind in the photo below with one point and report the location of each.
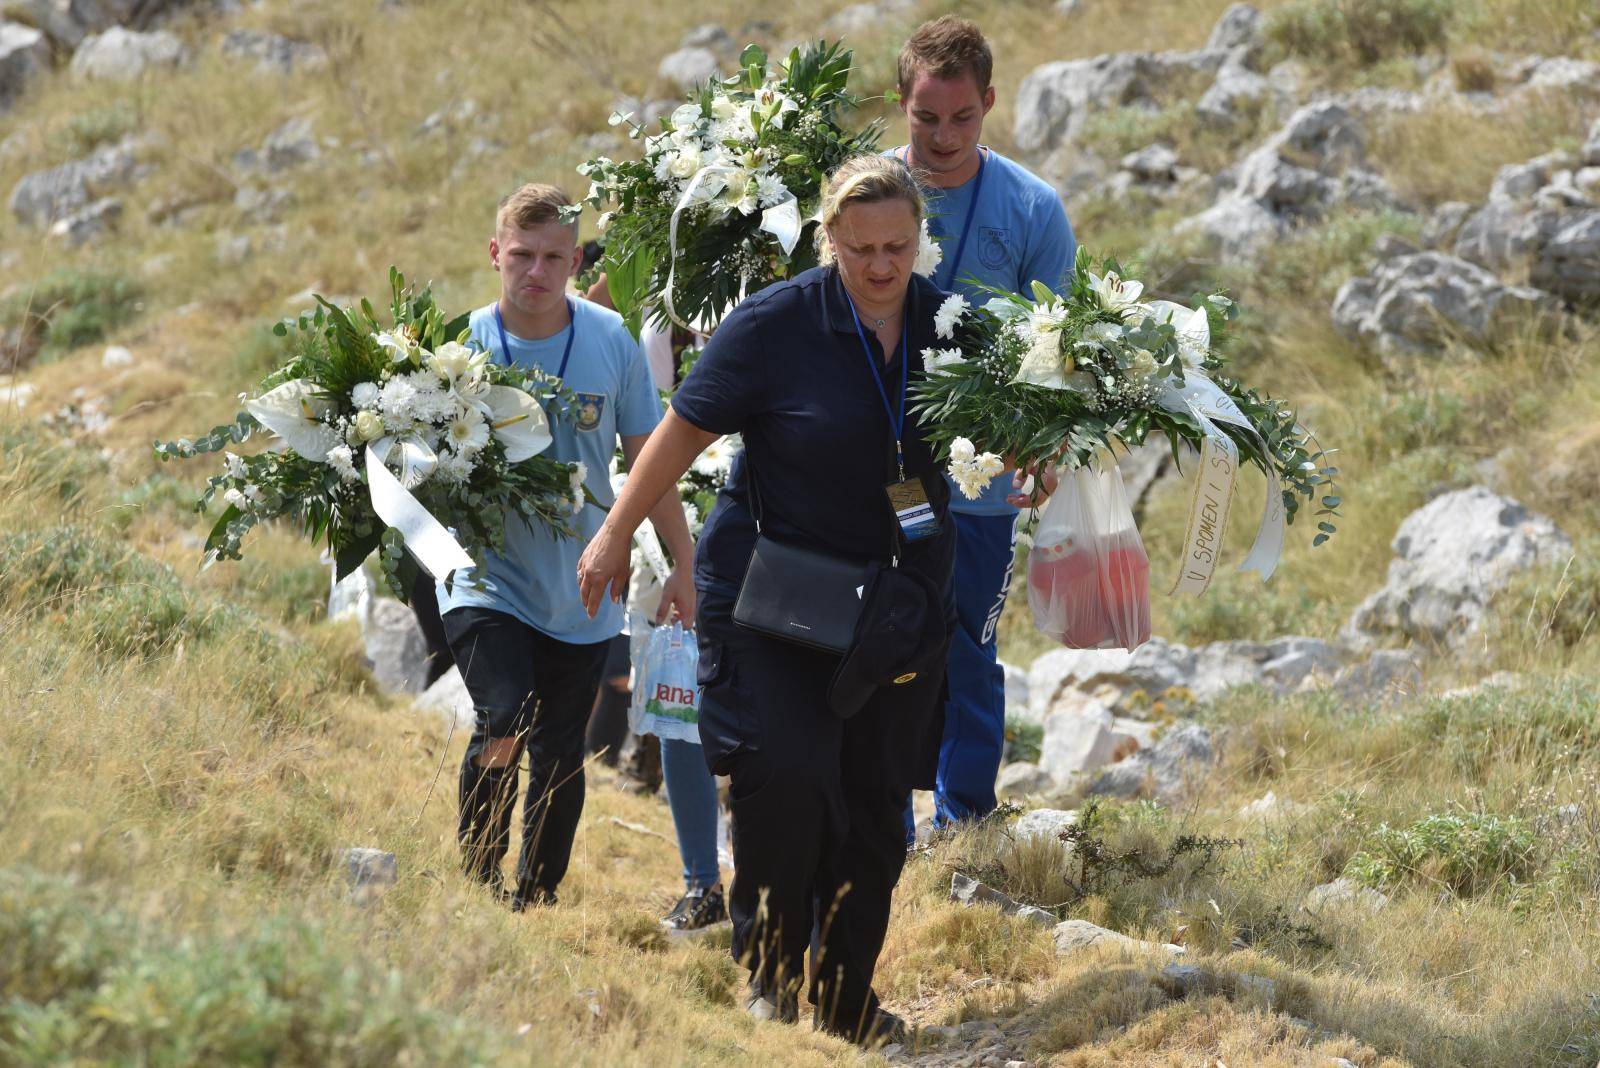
(813, 372)
(530, 655)
(999, 226)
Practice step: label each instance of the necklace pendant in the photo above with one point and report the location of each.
(880, 323)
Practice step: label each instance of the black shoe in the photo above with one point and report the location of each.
(885, 1029)
(534, 897)
(763, 1005)
(696, 910)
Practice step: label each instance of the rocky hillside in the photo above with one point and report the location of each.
(1349, 817)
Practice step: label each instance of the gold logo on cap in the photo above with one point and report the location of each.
(907, 677)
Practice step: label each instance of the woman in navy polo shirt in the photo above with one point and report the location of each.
(812, 372)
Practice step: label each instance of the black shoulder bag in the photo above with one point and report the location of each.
(802, 595)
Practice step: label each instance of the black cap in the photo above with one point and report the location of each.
(900, 635)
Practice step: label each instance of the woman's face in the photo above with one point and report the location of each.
(875, 246)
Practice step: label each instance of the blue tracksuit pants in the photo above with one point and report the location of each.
(975, 714)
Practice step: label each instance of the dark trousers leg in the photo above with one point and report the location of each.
(856, 880)
(568, 678)
(425, 606)
(488, 797)
(608, 723)
(538, 690)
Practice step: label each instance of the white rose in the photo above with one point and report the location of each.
(685, 163)
(369, 425)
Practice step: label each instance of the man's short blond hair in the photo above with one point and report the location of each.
(531, 205)
(947, 47)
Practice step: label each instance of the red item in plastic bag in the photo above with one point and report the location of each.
(1088, 575)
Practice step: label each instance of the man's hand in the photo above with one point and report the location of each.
(677, 598)
(1042, 477)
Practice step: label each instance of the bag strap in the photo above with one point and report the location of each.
(756, 510)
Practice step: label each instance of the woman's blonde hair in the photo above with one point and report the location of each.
(864, 179)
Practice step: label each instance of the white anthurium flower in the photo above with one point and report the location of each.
(1194, 329)
(948, 315)
(296, 413)
(929, 254)
(518, 422)
(1043, 365)
(1116, 293)
(452, 360)
(409, 457)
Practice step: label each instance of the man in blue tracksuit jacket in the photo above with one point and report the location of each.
(998, 225)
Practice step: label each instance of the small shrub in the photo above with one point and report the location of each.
(1023, 739)
(1559, 604)
(84, 983)
(1359, 31)
(1473, 71)
(93, 127)
(76, 307)
(1465, 852)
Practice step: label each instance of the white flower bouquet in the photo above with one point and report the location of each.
(719, 202)
(1059, 379)
(382, 436)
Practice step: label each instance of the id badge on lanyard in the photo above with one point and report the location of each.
(908, 498)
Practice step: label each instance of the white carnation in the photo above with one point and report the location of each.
(454, 467)
(579, 474)
(938, 361)
(929, 254)
(962, 451)
(364, 395)
(948, 315)
(771, 190)
(343, 460)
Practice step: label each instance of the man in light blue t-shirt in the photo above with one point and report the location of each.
(998, 225)
(529, 653)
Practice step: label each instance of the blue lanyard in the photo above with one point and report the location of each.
(949, 283)
(566, 354)
(896, 424)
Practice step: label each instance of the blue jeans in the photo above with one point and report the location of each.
(692, 796)
(975, 712)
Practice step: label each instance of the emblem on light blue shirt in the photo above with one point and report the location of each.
(993, 250)
(590, 407)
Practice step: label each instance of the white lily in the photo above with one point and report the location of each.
(399, 346)
(1116, 293)
(295, 413)
(518, 421)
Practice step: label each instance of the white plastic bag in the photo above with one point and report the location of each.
(1088, 576)
(666, 696)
